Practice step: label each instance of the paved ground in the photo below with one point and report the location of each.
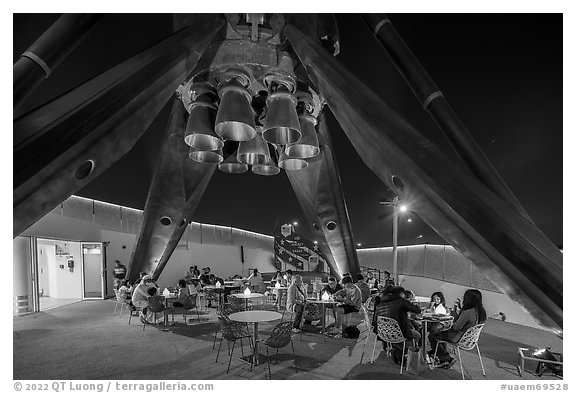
(85, 341)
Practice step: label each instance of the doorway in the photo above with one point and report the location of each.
(94, 271)
(59, 280)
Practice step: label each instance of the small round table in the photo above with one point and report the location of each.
(219, 290)
(255, 317)
(323, 303)
(244, 296)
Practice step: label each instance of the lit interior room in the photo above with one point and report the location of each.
(288, 196)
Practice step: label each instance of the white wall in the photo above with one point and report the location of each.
(493, 302)
(57, 282)
(259, 259)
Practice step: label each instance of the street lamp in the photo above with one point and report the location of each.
(397, 208)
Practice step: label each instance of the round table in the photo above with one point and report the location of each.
(249, 296)
(255, 317)
(323, 303)
(426, 319)
(218, 289)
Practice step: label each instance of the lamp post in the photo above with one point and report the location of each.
(397, 208)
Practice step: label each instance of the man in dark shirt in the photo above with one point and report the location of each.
(393, 305)
(119, 274)
(330, 289)
(364, 288)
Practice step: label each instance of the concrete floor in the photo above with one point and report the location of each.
(86, 341)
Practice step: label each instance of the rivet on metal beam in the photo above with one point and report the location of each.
(380, 24)
(36, 59)
(431, 98)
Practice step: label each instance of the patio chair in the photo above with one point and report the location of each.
(137, 310)
(122, 301)
(225, 311)
(389, 331)
(467, 342)
(233, 331)
(154, 311)
(192, 306)
(280, 337)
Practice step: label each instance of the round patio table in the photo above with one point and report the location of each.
(244, 296)
(426, 319)
(323, 303)
(219, 290)
(255, 317)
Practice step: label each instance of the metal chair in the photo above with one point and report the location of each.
(193, 306)
(154, 310)
(225, 311)
(233, 331)
(122, 301)
(389, 331)
(137, 310)
(280, 337)
(467, 342)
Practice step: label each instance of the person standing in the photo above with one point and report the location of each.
(296, 300)
(119, 274)
(255, 281)
(364, 288)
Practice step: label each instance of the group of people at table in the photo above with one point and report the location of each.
(144, 293)
(344, 298)
(392, 301)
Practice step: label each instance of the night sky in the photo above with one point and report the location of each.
(501, 73)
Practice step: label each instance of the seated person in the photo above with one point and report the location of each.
(333, 287)
(190, 274)
(139, 280)
(255, 280)
(351, 299)
(471, 314)
(371, 281)
(438, 306)
(156, 305)
(205, 276)
(125, 290)
(388, 280)
(393, 305)
(295, 301)
(364, 288)
(140, 296)
(183, 299)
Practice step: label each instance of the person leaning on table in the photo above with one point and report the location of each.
(296, 300)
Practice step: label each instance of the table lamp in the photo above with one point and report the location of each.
(325, 296)
(247, 291)
(218, 284)
(277, 285)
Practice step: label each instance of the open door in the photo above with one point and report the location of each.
(93, 271)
